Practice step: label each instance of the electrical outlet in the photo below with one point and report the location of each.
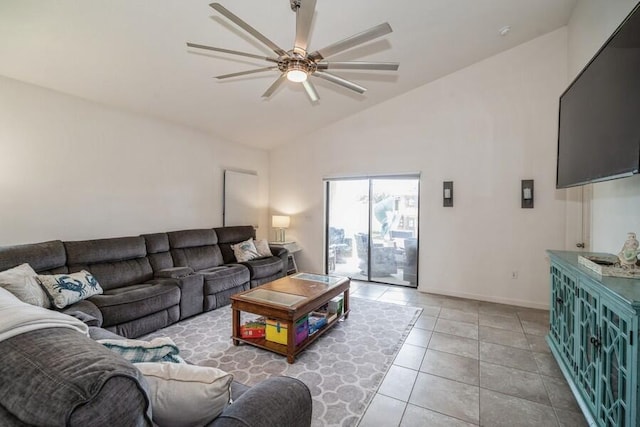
(514, 274)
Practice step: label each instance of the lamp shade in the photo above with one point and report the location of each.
(280, 221)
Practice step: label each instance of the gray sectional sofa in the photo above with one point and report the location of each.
(149, 282)
(153, 280)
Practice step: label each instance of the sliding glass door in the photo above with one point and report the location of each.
(372, 229)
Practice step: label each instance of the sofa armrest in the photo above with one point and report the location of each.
(58, 376)
(191, 290)
(279, 251)
(277, 401)
(85, 311)
(173, 273)
(283, 254)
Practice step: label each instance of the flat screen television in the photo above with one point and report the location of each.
(599, 126)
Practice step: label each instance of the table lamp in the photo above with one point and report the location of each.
(280, 223)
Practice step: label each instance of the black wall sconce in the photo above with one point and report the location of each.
(526, 194)
(447, 194)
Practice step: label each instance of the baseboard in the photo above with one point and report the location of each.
(487, 298)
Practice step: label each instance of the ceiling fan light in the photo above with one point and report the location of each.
(296, 76)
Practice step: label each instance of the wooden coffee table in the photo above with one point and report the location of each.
(287, 300)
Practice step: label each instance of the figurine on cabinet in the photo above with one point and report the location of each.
(628, 255)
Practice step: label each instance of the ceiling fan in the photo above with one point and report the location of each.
(298, 64)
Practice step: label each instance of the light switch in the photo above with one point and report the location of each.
(526, 193)
(447, 194)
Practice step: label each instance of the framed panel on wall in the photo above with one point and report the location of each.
(240, 198)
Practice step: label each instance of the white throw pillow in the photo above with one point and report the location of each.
(67, 289)
(186, 395)
(21, 282)
(262, 246)
(245, 251)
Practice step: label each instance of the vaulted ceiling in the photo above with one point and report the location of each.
(132, 55)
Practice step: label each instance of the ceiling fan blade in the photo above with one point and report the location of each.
(233, 52)
(244, 73)
(358, 65)
(349, 42)
(304, 16)
(311, 91)
(248, 28)
(340, 81)
(274, 86)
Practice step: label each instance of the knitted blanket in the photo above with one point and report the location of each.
(136, 351)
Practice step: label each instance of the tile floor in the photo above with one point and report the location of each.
(469, 363)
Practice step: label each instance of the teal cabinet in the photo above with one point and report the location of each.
(617, 377)
(562, 318)
(587, 349)
(593, 335)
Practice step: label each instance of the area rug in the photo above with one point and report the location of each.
(343, 368)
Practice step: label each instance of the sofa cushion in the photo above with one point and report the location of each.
(42, 257)
(264, 267)
(160, 261)
(105, 250)
(60, 377)
(21, 281)
(118, 274)
(114, 262)
(186, 395)
(224, 277)
(174, 273)
(67, 289)
(191, 238)
(147, 324)
(232, 235)
(235, 234)
(133, 302)
(156, 243)
(158, 251)
(197, 249)
(198, 258)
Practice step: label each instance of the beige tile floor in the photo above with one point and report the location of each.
(469, 363)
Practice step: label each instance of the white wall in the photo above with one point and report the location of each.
(485, 127)
(615, 204)
(72, 169)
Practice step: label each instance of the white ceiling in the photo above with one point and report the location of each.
(131, 54)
